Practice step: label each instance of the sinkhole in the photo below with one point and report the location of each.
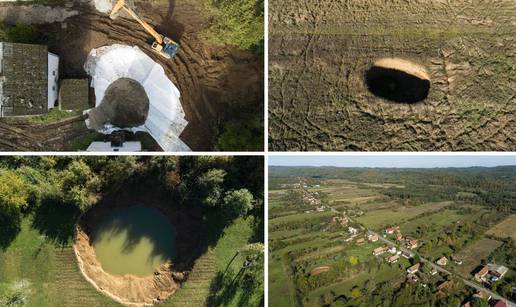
(398, 80)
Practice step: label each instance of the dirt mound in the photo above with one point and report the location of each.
(402, 65)
(126, 289)
(125, 103)
(319, 270)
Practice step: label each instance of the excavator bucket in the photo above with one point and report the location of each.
(117, 7)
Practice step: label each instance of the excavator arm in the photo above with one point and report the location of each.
(120, 4)
(163, 45)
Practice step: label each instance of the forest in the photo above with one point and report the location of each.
(493, 187)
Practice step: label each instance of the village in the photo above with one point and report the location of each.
(400, 251)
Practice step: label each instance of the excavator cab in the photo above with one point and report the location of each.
(168, 49)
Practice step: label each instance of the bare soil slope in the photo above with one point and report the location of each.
(321, 50)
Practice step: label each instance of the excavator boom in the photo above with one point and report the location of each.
(163, 45)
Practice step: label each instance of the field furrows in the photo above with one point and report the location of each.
(196, 290)
(71, 285)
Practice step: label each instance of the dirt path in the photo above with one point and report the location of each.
(213, 80)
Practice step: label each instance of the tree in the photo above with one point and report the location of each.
(237, 203)
(13, 199)
(80, 185)
(211, 186)
(353, 260)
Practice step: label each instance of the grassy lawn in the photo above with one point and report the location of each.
(345, 286)
(301, 217)
(51, 271)
(436, 221)
(379, 218)
(505, 228)
(53, 115)
(475, 252)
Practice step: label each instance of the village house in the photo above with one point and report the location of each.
(392, 259)
(413, 269)
(411, 244)
(392, 249)
(399, 236)
(433, 271)
(479, 276)
(496, 270)
(372, 237)
(407, 255)
(342, 220)
(443, 285)
(360, 241)
(352, 230)
(391, 230)
(442, 261)
(380, 250)
(499, 303)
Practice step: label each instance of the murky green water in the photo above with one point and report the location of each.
(133, 240)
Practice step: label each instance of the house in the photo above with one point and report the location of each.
(442, 261)
(73, 95)
(413, 269)
(392, 249)
(28, 79)
(407, 255)
(497, 270)
(482, 295)
(319, 209)
(481, 273)
(342, 220)
(443, 285)
(352, 230)
(360, 241)
(499, 303)
(380, 250)
(466, 304)
(393, 259)
(433, 271)
(391, 230)
(412, 244)
(372, 237)
(399, 236)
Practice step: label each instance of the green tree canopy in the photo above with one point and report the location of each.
(237, 203)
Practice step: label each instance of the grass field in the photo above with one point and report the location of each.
(379, 218)
(473, 253)
(52, 272)
(55, 280)
(505, 228)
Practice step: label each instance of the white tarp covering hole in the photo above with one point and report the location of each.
(165, 120)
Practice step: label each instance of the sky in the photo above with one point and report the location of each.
(405, 161)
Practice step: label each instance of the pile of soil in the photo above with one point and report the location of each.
(125, 104)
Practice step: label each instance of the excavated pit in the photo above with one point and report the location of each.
(398, 80)
(124, 105)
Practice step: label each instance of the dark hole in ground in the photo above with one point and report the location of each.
(396, 85)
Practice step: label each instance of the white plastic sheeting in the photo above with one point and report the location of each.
(166, 119)
(104, 6)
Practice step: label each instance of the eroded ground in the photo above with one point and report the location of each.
(319, 52)
(213, 79)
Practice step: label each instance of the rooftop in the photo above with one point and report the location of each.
(23, 79)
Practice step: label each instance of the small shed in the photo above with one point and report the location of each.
(73, 95)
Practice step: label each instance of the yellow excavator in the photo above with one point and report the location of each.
(163, 45)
